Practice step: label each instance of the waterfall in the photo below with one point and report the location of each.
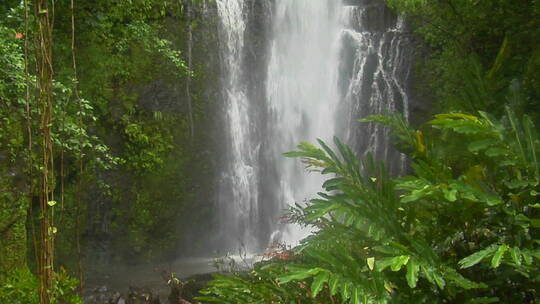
(375, 76)
(302, 91)
(239, 186)
(326, 63)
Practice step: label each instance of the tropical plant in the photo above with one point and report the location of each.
(462, 228)
(21, 286)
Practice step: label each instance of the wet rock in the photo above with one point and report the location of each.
(102, 295)
(142, 296)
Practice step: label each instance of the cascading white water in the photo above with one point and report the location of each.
(302, 90)
(326, 64)
(239, 201)
(379, 70)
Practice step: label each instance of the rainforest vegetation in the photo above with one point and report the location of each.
(107, 115)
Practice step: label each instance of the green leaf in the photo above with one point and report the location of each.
(450, 195)
(398, 262)
(483, 300)
(51, 203)
(386, 249)
(345, 291)
(527, 257)
(357, 295)
(476, 257)
(334, 283)
(439, 280)
(461, 281)
(384, 263)
(395, 263)
(318, 282)
(496, 260)
(299, 275)
(516, 255)
(495, 151)
(478, 145)
(412, 273)
(370, 263)
(333, 182)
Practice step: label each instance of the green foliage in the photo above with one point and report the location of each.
(12, 85)
(21, 287)
(467, 40)
(13, 203)
(105, 136)
(147, 143)
(462, 228)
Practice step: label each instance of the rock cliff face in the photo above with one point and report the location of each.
(375, 78)
(183, 188)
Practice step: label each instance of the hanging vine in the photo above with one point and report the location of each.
(45, 85)
(80, 150)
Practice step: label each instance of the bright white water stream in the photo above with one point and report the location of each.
(302, 91)
(327, 63)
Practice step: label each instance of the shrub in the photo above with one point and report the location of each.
(462, 228)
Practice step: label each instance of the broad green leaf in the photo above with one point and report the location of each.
(395, 263)
(389, 286)
(387, 249)
(398, 262)
(516, 255)
(496, 260)
(370, 263)
(478, 145)
(384, 263)
(527, 257)
(495, 151)
(476, 257)
(461, 281)
(516, 183)
(450, 195)
(318, 283)
(299, 275)
(333, 182)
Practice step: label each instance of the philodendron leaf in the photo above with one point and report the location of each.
(476, 257)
